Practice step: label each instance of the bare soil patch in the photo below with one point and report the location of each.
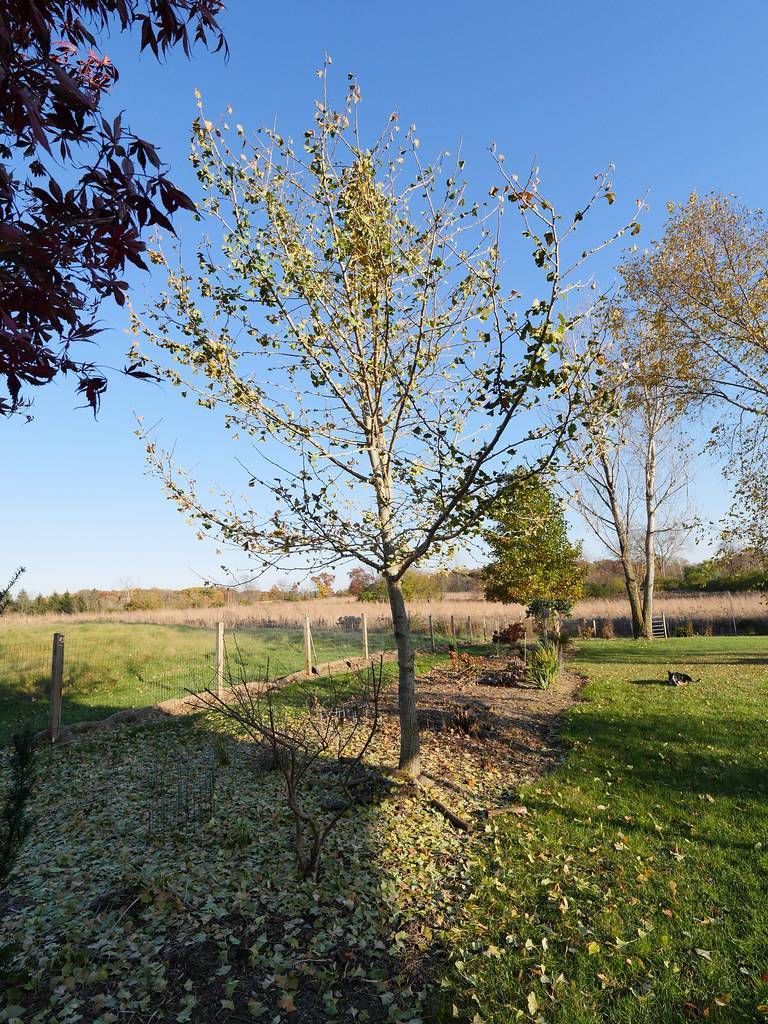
(480, 740)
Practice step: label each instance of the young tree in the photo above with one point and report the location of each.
(323, 582)
(354, 320)
(534, 563)
(336, 729)
(5, 592)
(76, 190)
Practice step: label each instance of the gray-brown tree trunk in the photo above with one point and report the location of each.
(410, 759)
(649, 549)
(622, 535)
(633, 595)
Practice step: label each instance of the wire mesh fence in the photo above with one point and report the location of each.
(97, 679)
(109, 666)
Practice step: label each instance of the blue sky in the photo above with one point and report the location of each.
(673, 94)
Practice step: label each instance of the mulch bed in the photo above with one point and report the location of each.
(484, 739)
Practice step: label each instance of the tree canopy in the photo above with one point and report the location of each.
(701, 290)
(77, 190)
(353, 317)
(533, 559)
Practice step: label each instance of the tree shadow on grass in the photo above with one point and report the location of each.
(663, 653)
(677, 830)
(651, 682)
(716, 755)
(20, 710)
(23, 708)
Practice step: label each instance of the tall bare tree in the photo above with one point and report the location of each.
(704, 286)
(633, 474)
(354, 319)
(670, 543)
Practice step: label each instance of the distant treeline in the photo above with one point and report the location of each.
(739, 572)
(417, 585)
(138, 599)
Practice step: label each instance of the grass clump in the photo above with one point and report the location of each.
(543, 664)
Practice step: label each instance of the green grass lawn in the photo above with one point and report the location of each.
(113, 665)
(637, 889)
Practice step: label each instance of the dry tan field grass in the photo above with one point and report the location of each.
(681, 606)
(325, 613)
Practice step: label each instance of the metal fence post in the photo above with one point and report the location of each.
(453, 627)
(365, 636)
(57, 680)
(307, 647)
(733, 613)
(219, 659)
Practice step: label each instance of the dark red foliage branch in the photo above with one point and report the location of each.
(77, 191)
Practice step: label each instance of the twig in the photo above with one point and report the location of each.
(519, 809)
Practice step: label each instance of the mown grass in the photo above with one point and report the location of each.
(110, 665)
(636, 892)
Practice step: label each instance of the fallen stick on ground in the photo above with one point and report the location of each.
(425, 783)
(520, 809)
(455, 820)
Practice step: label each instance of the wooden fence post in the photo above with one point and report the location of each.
(431, 634)
(365, 636)
(57, 680)
(219, 659)
(307, 647)
(470, 634)
(453, 627)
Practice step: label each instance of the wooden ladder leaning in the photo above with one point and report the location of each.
(659, 627)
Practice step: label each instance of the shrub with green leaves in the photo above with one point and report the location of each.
(543, 664)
